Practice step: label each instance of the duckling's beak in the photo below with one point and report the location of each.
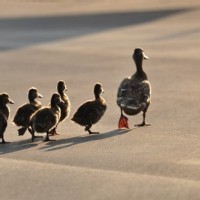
(10, 101)
(40, 96)
(145, 57)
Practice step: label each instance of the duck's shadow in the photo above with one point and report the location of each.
(68, 142)
(59, 144)
(16, 146)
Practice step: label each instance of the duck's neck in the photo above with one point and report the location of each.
(97, 96)
(63, 96)
(61, 91)
(138, 63)
(139, 68)
(31, 99)
(4, 109)
(54, 105)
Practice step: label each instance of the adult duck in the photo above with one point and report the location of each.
(64, 105)
(134, 93)
(4, 114)
(47, 118)
(23, 115)
(91, 111)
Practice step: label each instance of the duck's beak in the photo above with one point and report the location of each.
(40, 96)
(10, 101)
(145, 57)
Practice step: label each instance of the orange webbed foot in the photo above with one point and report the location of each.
(123, 122)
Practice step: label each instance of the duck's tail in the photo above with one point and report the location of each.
(22, 131)
(76, 119)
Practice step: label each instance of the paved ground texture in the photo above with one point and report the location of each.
(83, 42)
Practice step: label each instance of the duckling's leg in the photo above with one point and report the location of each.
(4, 142)
(143, 123)
(32, 132)
(87, 128)
(53, 132)
(47, 138)
(123, 121)
(33, 135)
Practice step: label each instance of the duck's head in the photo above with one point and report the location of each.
(98, 89)
(33, 94)
(55, 99)
(5, 99)
(61, 87)
(139, 55)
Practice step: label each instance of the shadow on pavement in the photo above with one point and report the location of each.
(68, 142)
(26, 31)
(58, 144)
(16, 146)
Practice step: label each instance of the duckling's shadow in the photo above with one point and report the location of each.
(16, 146)
(68, 142)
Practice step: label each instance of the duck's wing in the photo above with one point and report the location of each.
(143, 90)
(96, 110)
(79, 115)
(45, 119)
(123, 90)
(89, 112)
(133, 95)
(23, 114)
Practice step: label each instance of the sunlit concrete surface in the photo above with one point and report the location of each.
(84, 42)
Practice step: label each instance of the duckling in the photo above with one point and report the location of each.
(91, 112)
(47, 118)
(64, 104)
(23, 115)
(134, 93)
(4, 114)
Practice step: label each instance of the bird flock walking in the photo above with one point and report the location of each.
(133, 97)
